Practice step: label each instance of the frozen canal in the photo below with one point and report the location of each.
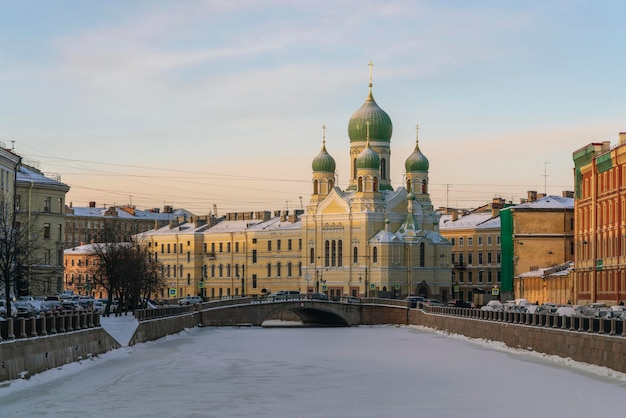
(316, 372)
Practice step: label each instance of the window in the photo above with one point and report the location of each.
(269, 247)
(375, 255)
(488, 239)
(237, 247)
(289, 270)
(228, 247)
(480, 259)
(278, 269)
(470, 241)
(355, 255)
(46, 231)
(497, 239)
(254, 240)
(488, 258)
(312, 256)
(277, 245)
(221, 247)
(480, 240)
(460, 277)
(269, 270)
(480, 276)
(453, 241)
(460, 241)
(422, 254)
(470, 258)
(289, 245)
(498, 257)
(469, 276)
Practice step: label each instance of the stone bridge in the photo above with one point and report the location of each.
(310, 312)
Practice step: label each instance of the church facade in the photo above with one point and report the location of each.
(369, 239)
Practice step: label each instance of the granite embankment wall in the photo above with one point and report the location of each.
(25, 357)
(154, 329)
(599, 349)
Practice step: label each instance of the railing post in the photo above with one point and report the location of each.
(11, 329)
(612, 332)
(44, 327)
(22, 325)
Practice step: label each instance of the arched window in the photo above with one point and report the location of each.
(326, 253)
(375, 188)
(299, 269)
(355, 255)
(315, 187)
(383, 168)
(359, 186)
(212, 270)
(289, 269)
(375, 255)
(278, 269)
(227, 270)
(333, 253)
(312, 256)
(269, 270)
(339, 253)
(220, 270)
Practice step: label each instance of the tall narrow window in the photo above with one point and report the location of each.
(375, 255)
(422, 255)
(355, 255)
(339, 253)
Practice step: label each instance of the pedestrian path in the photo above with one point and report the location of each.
(122, 328)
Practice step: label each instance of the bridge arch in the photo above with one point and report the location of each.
(310, 316)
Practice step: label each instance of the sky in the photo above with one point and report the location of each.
(295, 372)
(208, 104)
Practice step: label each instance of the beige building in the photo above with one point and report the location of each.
(476, 251)
(550, 284)
(78, 274)
(40, 206)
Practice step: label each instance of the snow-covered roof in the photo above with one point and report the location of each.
(27, 175)
(559, 270)
(473, 220)
(548, 202)
(123, 214)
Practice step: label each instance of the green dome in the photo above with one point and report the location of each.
(368, 159)
(323, 162)
(380, 124)
(417, 162)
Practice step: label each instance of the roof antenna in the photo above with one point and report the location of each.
(13, 145)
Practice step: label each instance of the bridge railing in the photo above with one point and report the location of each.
(574, 323)
(42, 325)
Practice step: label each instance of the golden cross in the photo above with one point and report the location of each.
(371, 65)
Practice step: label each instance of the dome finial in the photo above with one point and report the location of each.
(417, 133)
(324, 134)
(370, 96)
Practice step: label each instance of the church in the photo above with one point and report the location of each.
(369, 239)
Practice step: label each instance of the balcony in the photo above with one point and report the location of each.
(460, 265)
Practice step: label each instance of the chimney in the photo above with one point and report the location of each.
(92, 204)
(455, 215)
(532, 195)
(568, 193)
(622, 138)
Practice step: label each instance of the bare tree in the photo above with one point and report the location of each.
(17, 245)
(124, 270)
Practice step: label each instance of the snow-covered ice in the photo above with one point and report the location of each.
(319, 372)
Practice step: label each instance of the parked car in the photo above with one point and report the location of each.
(98, 306)
(565, 311)
(25, 309)
(459, 303)
(50, 307)
(493, 305)
(72, 305)
(414, 300)
(317, 296)
(3, 309)
(433, 303)
(190, 300)
(285, 295)
(350, 299)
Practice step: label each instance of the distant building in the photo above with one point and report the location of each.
(536, 234)
(600, 232)
(40, 204)
(9, 165)
(78, 275)
(84, 225)
(476, 253)
(548, 284)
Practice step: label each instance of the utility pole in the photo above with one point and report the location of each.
(545, 177)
